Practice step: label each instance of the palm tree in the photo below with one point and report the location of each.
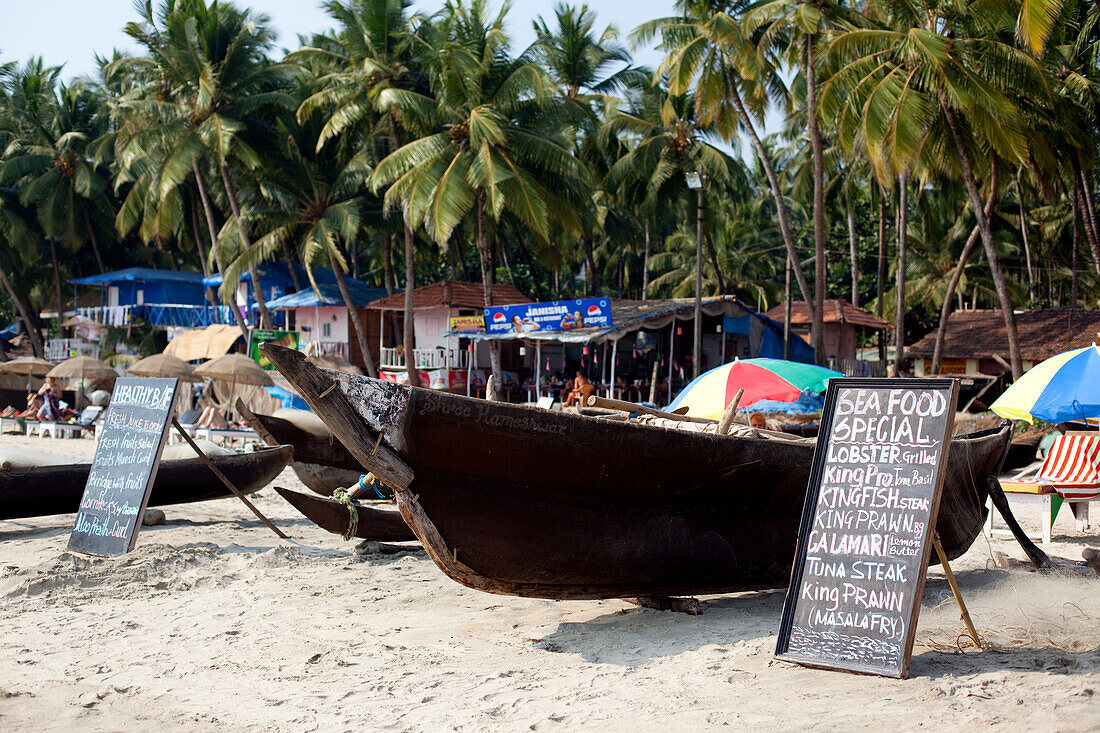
(926, 79)
(205, 80)
(484, 155)
(374, 49)
(734, 79)
(311, 198)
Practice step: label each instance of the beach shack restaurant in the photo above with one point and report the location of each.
(618, 344)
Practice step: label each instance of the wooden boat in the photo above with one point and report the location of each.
(514, 500)
(1023, 450)
(56, 489)
(380, 522)
(321, 462)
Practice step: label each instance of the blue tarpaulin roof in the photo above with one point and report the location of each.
(278, 274)
(140, 274)
(361, 294)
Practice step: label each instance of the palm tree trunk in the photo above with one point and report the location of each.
(880, 283)
(817, 329)
(645, 265)
(956, 275)
(853, 252)
(208, 209)
(487, 281)
(1081, 199)
(246, 244)
(987, 241)
(204, 257)
(591, 279)
(288, 255)
(409, 339)
(388, 279)
(57, 281)
(95, 243)
(1027, 245)
(354, 314)
(713, 254)
(24, 313)
(777, 194)
(1073, 260)
(899, 279)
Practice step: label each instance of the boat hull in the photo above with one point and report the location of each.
(515, 500)
(49, 490)
(323, 464)
(382, 522)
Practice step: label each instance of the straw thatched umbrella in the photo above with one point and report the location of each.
(164, 365)
(82, 367)
(31, 366)
(236, 369)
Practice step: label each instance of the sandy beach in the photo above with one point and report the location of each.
(212, 622)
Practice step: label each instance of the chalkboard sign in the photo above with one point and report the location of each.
(125, 465)
(866, 531)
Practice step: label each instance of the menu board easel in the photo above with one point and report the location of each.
(868, 525)
(126, 459)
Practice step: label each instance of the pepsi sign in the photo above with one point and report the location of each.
(558, 315)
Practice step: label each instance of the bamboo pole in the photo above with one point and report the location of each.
(229, 484)
(955, 589)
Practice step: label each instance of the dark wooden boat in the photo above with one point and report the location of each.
(321, 462)
(515, 500)
(44, 490)
(380, 522)
(1023, 450)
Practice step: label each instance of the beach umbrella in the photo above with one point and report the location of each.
(30, 366)
(761, 379)
(235, 369)
(163, 365)
(1062, 388)
(82, 367)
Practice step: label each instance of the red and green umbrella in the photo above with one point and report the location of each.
(762, 379)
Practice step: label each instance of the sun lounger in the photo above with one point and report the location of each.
(10, 425)
(1070, 473)
(55, 429)
(226, 435)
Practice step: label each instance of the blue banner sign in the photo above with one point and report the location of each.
(558, 315)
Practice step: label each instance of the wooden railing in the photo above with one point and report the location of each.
(438, 358)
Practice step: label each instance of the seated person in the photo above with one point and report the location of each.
(34, 404)
(567, 390)
(758, 421)
(211, 417)
(50, 411)
(581, 391)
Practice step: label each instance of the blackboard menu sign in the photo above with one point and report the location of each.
(125, 465)
(866, 531)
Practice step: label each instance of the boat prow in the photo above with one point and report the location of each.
(372, 522)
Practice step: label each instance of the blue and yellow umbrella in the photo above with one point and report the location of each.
(1062, 388)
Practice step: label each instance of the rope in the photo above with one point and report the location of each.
(341, 495)
(373, 485)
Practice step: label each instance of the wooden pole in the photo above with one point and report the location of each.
(727, 417)
(229, 484)
(955, 589)
(610, 404)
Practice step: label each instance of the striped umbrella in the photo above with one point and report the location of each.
(762, 379)
(1062, 388)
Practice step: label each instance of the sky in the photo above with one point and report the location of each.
(71, 32)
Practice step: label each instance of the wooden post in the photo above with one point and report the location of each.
(229, 484)
(610, 404)
(653, 383)
(727, 417)
(955, 589)
(614, 355)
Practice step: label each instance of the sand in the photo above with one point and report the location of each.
(212, 622)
